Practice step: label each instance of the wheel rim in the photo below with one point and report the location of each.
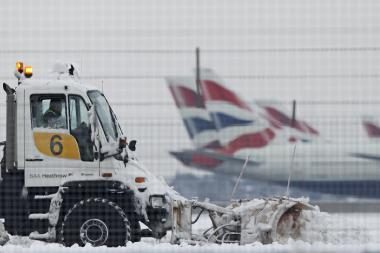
(94, 231)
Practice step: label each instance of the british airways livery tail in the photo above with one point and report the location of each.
(225, 129)
(198, 123)
(238, 125)
(372, 131)
(297, 130)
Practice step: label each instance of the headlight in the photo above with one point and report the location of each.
(157, 201)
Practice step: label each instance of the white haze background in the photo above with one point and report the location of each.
(102, 38)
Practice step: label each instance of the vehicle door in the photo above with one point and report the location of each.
(57, 140)
(110, 134)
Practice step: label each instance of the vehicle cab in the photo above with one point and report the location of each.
(67, 129)
(64, 140)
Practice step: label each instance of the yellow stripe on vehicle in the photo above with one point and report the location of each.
(58, 145)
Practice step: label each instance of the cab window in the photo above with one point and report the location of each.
(48, 111)
(80, 127)
(105, 114)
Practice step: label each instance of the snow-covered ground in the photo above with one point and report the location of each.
(354, 232)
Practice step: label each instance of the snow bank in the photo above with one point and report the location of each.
(22, 245)
(341, 229)
(321, 232)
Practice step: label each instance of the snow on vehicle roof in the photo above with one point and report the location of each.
(43, 84)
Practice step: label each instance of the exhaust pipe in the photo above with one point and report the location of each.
(10, 146)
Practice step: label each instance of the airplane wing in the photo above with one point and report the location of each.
(366, 156)
(203, 158)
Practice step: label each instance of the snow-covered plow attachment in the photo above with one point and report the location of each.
(242, 222)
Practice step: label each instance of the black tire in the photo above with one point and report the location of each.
(96, 221)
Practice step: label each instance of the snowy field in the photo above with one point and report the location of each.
(354, 232)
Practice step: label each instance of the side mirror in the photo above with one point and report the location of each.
(132, 145)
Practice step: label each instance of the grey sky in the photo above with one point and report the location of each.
(184, 24)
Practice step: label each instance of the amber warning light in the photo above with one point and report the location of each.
(28, 71)
(19, 67)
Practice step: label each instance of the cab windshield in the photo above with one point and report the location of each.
(105, 114)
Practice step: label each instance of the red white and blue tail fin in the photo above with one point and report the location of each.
(295, 130)
(239, 126)
(196, 118)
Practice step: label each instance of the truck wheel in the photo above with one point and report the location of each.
(95, 221)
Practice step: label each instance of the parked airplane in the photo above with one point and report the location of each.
(226, 130)
(372, 130)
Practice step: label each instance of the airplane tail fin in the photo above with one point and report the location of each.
(239, 126)
(372, 129)
(198, 123)
(299, 129)
(220, 120)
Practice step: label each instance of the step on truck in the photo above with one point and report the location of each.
(69, 175)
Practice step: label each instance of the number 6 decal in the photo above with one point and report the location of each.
(56, 146)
